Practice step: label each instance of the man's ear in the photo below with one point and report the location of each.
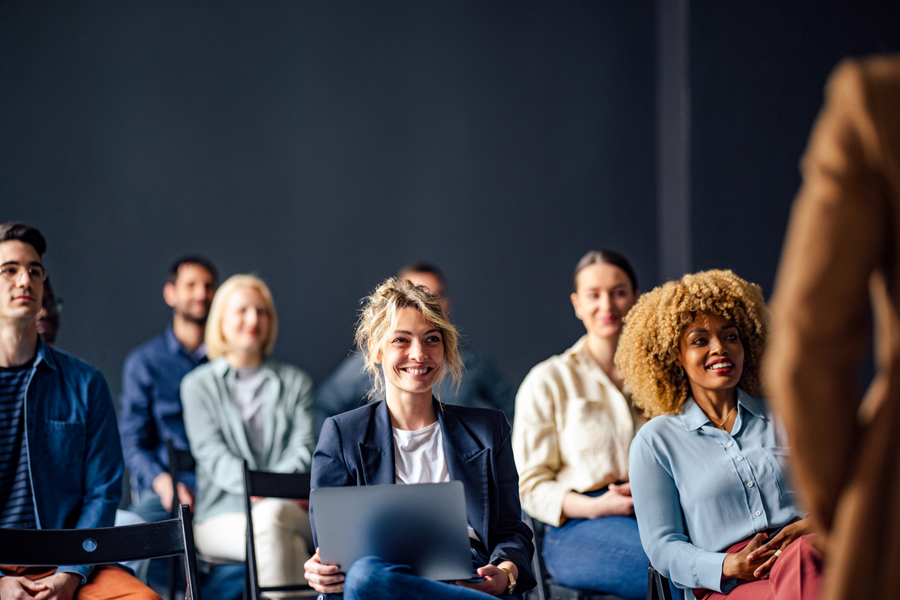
(169, 294)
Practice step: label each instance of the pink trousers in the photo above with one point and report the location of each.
(796, 575)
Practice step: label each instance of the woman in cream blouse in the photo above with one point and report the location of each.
(573, 427)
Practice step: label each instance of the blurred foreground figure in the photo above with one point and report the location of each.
(841, 257)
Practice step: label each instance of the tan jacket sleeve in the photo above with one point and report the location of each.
(835, 239)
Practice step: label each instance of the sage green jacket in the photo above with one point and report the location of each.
(218, 440)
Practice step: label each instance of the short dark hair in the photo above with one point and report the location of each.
(23, 233)
(191, 259)
(605, 257)
(421, 266)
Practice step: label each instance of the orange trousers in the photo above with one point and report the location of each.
(105, 583)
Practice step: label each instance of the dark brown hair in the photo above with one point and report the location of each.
(605, 257)
(23, 233)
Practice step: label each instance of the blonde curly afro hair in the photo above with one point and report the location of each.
(649, 345)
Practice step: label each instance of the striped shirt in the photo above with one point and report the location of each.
(16, 501)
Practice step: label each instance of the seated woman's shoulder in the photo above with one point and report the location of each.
(661, 426)
(287, 371)
(549, 371)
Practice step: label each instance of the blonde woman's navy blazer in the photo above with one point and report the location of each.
(357, 448)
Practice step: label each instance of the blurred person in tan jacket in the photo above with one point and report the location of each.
(841, 261)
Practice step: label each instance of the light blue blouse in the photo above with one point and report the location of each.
(698, 490)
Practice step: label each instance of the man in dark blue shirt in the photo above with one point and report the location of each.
(150, 405)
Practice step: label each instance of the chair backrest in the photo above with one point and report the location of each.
(276, 485)
(52, 547)
(657, 586)
(293, 486)
(179, 462)
(536, 558)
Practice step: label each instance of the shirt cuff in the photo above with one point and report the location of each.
(709, 572)
(545, 502)
(83, 571)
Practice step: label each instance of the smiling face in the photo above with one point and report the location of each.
(711, 353)
(246, 322)
(21, 292)
(412, 355)
(602, 298)
(192, 292)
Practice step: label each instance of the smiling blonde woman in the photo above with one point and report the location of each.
(245, 406)
(410, 437)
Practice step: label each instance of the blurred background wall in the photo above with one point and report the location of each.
(323, 144)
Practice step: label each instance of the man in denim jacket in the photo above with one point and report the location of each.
(61, 462)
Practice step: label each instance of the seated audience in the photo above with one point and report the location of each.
(483, 383)
(244, 406)
(151, 412)
(708, 473)
(411, 437)
(574, 424)
(61, 467)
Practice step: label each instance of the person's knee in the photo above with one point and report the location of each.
(271, 513)
(368, 573)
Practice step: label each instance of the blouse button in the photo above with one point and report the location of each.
(750, 484)
(740, 458)
(758, 513)
(730, 444)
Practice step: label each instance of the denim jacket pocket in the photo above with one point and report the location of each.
(65, 441)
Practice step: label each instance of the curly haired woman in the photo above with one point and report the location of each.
(708, 475)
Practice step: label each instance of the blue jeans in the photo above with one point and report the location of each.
(602, 554)
(372, 578)
(221, 582)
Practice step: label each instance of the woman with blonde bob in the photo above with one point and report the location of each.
(714, 506)
(244, 406)
(410, 437)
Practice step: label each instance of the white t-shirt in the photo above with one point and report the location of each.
(419, 458)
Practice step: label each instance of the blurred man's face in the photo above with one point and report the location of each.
(192, 293)
(431, 283)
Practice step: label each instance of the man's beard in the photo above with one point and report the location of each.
(200, 321)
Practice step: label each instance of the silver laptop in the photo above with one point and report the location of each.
(423, 526)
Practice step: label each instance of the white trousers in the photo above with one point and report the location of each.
(281, 533)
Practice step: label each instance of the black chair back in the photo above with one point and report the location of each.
(180, 461)
(51, 547)
(657, 586)
(293, 486)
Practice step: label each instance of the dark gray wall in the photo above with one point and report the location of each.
(322, 145)
(757, 78)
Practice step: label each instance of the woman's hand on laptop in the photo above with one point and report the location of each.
(495, 579)
(327, 578)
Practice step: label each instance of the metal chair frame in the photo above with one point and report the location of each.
(51, 547)
(181, 461)
(546, 588)
(289, 486)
